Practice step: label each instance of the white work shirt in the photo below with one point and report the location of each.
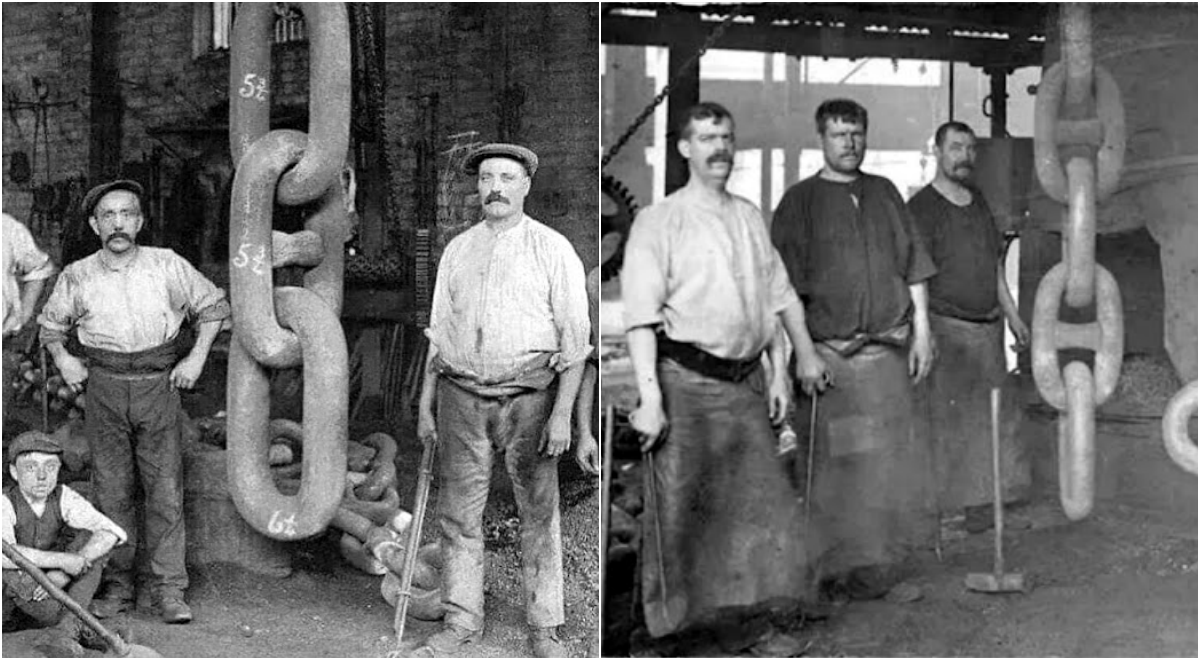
(136, 307)
(23, 262)
(503, 300)
(77, 513)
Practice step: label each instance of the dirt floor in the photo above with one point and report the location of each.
(1121, 583)
(326, 608)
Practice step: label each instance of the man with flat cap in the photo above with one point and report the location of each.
(58, 531)
(128, 303)
(508, 337)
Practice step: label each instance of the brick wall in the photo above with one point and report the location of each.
(465, 54)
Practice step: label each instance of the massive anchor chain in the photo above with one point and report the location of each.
(1091, 132)
(278, 328)
(1179, 445)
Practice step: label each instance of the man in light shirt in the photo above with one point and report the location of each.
(57, 530)
(26, 269)
(508, 337)
(704, 293)
(128, 303)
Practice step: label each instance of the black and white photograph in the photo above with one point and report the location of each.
(299, 351)
(898, 329)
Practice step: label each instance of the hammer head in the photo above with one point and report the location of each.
(996, 583)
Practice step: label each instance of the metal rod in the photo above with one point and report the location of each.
(606, 504)
(414, 539)
(808, 472)
(653, 493)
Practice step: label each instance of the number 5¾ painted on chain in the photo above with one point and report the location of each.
(285, 327)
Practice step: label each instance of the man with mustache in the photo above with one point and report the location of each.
(508, 337)
(704, 293)
(968, 302)
(860, 266)
(128, 303)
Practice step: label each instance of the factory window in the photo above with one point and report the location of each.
(747, 176)
(717, 64)
(213, 26)
(870, 71)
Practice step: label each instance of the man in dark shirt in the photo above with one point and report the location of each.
(859, 266)
(968, 301)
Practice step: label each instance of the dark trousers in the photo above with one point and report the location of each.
(18, 586)
(133, 430)
(471, 429)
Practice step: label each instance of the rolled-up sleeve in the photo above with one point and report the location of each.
(569, 304)
(32, 264)
(61, 310)
(644, 274)
(203, 300)
(439, 308)
(780, 292)
(80, 514)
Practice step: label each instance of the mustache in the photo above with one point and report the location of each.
(721, 157)
(496, 197)
(118, 234)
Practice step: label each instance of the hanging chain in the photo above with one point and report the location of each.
(1179, 445)
(284, 327)
(1078, 109)
(713, 38)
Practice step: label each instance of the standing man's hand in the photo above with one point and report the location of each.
(1021, 332)
(779, 398)
(187, 372)
(650, 421)
(587, 454)
(15, 320)
(556, 437)
(813, 373)
(920, 356)
(427, 427)
(72, 370)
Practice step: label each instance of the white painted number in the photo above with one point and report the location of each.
(284, 526)
(250, 88)
(243, 257)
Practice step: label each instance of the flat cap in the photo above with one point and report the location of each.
(499, 150)
(32, 441)
(93, 196)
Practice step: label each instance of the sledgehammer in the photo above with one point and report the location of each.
(996, 582)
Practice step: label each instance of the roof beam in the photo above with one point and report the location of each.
(850, 42)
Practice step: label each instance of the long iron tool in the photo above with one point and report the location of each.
(424, 479)
(119, 647)
(996, 582)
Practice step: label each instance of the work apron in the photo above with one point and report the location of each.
(872, 500)
(955, 400)
(730, 523)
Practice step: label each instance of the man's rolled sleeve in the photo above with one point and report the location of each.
(80, 514)
(569, 305)
(205, 301)
(781, 294)
(439, 308)
(644, 274)
(60, 311)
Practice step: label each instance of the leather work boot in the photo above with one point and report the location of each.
(174, 609)
(447, 642)
(545, 643)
